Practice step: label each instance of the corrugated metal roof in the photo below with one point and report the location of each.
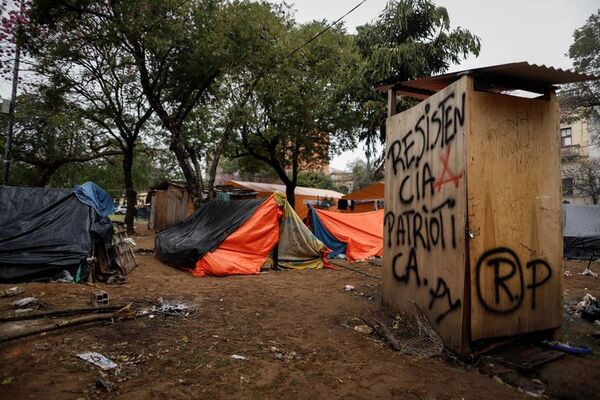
(518, 75)
(274, 187)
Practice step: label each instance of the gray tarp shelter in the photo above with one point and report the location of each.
(581, 231)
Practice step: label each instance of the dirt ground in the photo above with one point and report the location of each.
(308, 316)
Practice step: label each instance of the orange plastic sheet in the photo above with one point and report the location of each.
(245, 251)
(362, 232)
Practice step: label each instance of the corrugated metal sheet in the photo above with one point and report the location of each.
(518, 75)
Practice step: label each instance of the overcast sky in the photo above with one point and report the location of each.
(538, 31)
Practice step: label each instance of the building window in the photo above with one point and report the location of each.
(566, 137)
(567, 186)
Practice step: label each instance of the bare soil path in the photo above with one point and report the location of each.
(307, 316)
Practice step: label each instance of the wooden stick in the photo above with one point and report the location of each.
(63, 313)
(124, 313)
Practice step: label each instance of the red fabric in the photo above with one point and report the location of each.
(362, 232)
(245, 251)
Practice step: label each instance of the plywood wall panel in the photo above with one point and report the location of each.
(425, 204)
(515, 215)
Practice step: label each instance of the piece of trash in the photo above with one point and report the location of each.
(568, 274)
(588, 271)
(66, 277)
(366, 329)
(567, 348)
(99, 299)
(349, 287)
(103, 384)
(130, 241)
(238, 357)
(7, 381)
(588, 308)
(26, 302)
(98, 360)
(10, 292)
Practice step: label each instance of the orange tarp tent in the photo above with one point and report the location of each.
(366, 197)
(362, 232)
(246, 250)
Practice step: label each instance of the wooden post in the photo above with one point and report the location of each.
(392, 102)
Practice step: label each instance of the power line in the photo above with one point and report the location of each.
(326, 28)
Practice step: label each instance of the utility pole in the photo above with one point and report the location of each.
(11, 113)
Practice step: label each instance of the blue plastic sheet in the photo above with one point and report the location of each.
(94, 196)
(324, 236)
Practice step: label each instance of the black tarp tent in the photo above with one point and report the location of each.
(581, 231)
(44, 231)
(182, 244)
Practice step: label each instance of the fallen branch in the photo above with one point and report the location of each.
(124, 313)
(63, 313)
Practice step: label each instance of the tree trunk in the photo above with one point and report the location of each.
(43, 174)
(290, 188)
(130, 193)
(194, 185)
(11, 112)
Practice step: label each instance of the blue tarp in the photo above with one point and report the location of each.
(94, 196)
(324, 236)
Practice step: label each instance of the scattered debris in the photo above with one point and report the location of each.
(349, 288)
(567, 348)
(588, 271)
(170, 308)
(568, 274)
(281, 354)
(11, 292)
(66, 277)
(103, 384)
(238, 357)
(99, 298)
(588, 308)
(98, 360)
(144, 252)
(26, 302)
(411, 335)
(366, 329)
(7, 381)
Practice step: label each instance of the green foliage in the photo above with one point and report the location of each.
(316, 179)
(410, 39)
(296, 118)
(49, 135)
(583, 99)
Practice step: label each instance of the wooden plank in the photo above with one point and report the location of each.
(425, 204)
(515, 215)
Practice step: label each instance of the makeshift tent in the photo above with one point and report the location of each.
(236, 237)
(366, 199)
(581, 231)
(357, 235)
(47, 231)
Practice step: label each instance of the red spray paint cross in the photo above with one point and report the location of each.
(444, 158)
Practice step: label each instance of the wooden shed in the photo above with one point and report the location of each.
(473, 223)
(171, 203)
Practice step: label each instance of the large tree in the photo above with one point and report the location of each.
(102, 83)
(410, 39)
(585, 179)
(583, 99)
(296, 117)
(49, 136)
